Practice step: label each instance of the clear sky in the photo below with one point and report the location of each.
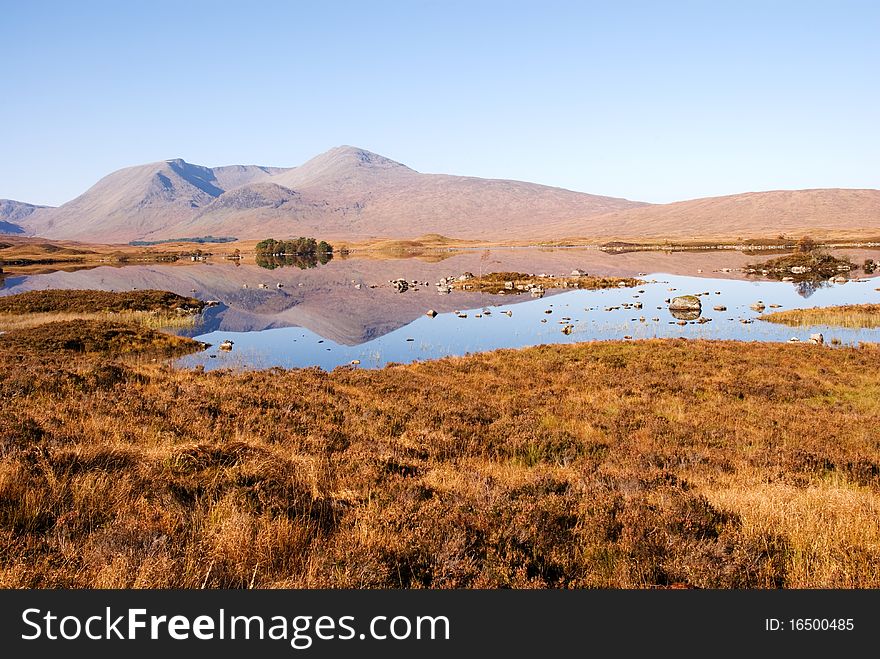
(655, 101)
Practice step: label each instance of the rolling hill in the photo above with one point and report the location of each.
(828, 211)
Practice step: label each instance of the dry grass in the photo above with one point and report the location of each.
(851, 316)
(715, 464)
(95, 336)
(151, 319)
(151, 309)
(22, 253)
(93, 301)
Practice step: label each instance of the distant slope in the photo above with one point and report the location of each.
(352, 193)
(137, 201)
(232, 176)
(751, 214)
(12, 213)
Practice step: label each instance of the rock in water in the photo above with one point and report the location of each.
(685, 303)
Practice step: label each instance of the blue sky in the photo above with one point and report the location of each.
(656, 101)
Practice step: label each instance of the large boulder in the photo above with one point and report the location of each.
(685, 303)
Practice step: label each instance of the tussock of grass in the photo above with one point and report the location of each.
(95, 336)
(851, 316)
(594, 465)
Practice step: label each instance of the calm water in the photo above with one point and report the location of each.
(529, 324)
(346, 310)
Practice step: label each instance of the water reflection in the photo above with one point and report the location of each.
(277, 316)
(685, 314)
(301, 261)
(568, 317)
(806, 288)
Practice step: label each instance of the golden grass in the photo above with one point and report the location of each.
(151, 319)
(638, 464)
(851, 316)
(831, 528)
(90, 301)
(95, 336)
(149, 308)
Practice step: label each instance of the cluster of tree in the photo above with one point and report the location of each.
(298, 247)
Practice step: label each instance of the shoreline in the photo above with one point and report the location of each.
(20, 255)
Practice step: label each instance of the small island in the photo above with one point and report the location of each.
(296, 247)
(808, 263)
(301, 252)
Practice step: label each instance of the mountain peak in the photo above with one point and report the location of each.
(353, 155)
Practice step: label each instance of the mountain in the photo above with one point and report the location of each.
(345, 192)
(12, 212)
(751, 214)
(351, 193)
(137, 201)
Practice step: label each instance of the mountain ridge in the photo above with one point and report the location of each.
(745, 215)
(352, 193)
(12, 212)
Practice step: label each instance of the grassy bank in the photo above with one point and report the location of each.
(149, 308)
(92, 301)
(851, 316)
(94, 336)
(593, 465)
